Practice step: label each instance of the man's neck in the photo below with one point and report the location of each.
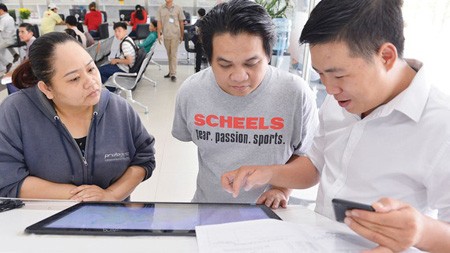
(169, 5)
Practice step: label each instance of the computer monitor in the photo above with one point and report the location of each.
(125, 15)
(78, 13)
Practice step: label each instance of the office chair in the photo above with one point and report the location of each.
(104, 16)
(142, 31)
(189, 32)
(127, 82)
(103, 32)
(36, 31)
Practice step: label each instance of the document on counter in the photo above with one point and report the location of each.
(269, 235)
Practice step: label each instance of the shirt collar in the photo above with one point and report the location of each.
(411, 102)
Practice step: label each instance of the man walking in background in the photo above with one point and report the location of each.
(171, 27)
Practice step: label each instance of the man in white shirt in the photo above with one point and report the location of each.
(7, 35)
(124, 58)
(383, 139)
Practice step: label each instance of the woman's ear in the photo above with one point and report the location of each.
(388, 55)
(44, 88)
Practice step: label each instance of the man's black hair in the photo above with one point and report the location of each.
(236, 17)
(120, 24)
(3, 7)
(71, 20)
(364, 25)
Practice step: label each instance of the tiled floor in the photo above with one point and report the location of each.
(176, 162)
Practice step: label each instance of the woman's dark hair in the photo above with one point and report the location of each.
(154, 23)
(40, 63)
(72, 33)
(92, 6)
(364, 25)
(139, 14)
(236, 17)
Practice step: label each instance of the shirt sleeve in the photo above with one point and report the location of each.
(310, 121)
(57, 18)
(180, 126)
(315, 153)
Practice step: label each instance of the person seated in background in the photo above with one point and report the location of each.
(89, 40)
(196, 39)
(139, 16)
(73, 34)
(72, 23)
(7, 35)
(384, 134)
(50, 19)
(93, 19)
(125, 57)
(63, 136)
(241, 111)
(151, 38)
(26, 34)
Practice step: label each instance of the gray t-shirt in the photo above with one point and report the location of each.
(266, 127)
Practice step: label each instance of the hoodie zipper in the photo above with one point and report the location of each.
(86, 176)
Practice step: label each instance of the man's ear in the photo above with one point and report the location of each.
(388, 55)
(45, 89)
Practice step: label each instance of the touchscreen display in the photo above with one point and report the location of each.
(156, 218)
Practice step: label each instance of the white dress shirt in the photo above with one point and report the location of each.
(400, 150)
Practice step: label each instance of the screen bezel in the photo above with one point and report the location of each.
(41, 226)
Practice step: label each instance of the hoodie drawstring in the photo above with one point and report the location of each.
(94, 126)
(61, 131)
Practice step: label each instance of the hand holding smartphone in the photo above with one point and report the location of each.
(341, 205)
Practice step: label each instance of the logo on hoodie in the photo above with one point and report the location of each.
(117, 156)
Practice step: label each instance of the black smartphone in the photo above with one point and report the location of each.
(341, 205)
(9, 204)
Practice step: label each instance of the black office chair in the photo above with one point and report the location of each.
(104, 16)
(103, 32)
(189, 46)
(36, 31)
(142, 31)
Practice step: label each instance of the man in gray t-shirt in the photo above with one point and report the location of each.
(241, 111)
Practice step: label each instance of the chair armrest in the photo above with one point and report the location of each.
(121, 74)
(124, 74)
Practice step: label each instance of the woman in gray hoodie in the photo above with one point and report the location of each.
(63, 136)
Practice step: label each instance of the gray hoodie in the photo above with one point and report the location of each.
(34, 142)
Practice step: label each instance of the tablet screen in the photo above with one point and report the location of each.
(145, 218)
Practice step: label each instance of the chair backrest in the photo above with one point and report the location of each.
(104, 16)
(144, 66)
(142, 31)
(93, 50)
(103, 31)
(103, 49)
(36, 31)
(189, 33)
